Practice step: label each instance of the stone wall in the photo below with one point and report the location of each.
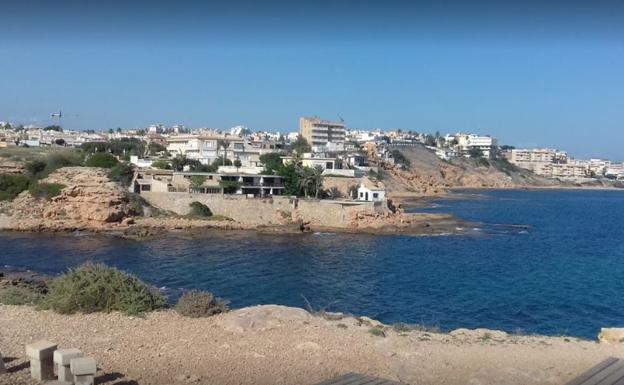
(266, 211)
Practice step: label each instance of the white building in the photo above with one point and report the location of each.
(371, 193)
(466, 143)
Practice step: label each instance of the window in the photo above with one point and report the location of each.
(375, 195)
(146, 187)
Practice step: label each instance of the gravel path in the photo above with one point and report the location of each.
(279, 345)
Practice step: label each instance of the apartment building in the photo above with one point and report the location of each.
(533, 158)
(467, 143)
(207, 149)
(322, 135)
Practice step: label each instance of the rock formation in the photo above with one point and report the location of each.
(89, 199)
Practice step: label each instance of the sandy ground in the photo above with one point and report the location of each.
(279, 345)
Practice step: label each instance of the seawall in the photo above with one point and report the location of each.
(268, 211)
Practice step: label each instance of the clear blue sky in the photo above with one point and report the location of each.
(548, 73)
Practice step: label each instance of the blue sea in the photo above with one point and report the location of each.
(560, 272)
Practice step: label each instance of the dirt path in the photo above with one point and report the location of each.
(278, 345)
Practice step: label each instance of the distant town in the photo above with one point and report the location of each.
(327, 145)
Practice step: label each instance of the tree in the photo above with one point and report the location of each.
(110, 131)
(237, 164)
(197, 181)
(178, 163)
(301, 145)
(272, 162)
(310, 180)
(53, 127)
(305, 179)
(223, 143)
(60, 142)
(317, 180)
(475, 152)
(290, 176)
(102, 160)
(161, 164)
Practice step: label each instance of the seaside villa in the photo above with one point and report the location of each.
(250, 185)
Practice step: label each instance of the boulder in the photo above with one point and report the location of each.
(264, 317)
(611, 335)
(371, 322)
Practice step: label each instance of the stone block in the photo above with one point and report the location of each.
(83, 366)
(58, 383)
(40, 350)
(64, 356)
(2, 368)
(42, 370)
(86, 379)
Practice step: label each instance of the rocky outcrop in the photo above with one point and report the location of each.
(89, 199)
(611, 335)
(11, 167)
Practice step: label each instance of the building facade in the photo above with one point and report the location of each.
(322, 135)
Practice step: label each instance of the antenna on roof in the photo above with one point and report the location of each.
(341, 119)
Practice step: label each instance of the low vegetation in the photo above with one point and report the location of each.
(199, 209)
(122, 173)
(15, 295)
(400, 158)
(45, 190)
(102, 160)
(196, 303)
(98, 288)
(11, 185)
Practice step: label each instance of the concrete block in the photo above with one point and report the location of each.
(40, 350)
(86, 379)
(83, 366)
(42, 370)
(64, 356)
(62, 359)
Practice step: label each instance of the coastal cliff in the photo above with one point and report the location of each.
(429, 176)
(281, 345)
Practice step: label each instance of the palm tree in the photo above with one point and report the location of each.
(306, 178)
(317, 180)
(223, 143)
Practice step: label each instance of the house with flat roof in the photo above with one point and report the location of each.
(251, 185)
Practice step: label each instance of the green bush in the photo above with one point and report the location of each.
(11, 185)
(36, 167)
(161, 164)
(197, 304)
(136, 204)
(63, 158)
(103, 160)
(45, 190)
(122, 173)
(98, 288)
(200, 210)
(15, 295)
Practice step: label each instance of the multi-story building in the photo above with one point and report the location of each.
(467, 143)
(531, 159)
(322, 135)
(207, 183)
(599, 166)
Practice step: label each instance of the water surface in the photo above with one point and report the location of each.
(564, 274)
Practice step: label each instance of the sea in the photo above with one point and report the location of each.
(545, 262)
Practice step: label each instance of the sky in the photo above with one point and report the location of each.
(544, 73)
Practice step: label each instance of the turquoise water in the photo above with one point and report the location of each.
(564, 274)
